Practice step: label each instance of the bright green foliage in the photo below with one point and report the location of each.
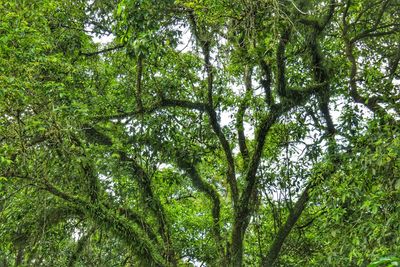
(386, 261)
(204, 133)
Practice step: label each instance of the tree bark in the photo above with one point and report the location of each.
(284, 231)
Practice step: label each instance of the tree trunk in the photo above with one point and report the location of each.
(284, 231)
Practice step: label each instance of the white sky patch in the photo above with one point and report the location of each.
(108, 181)
(104, 39)
(99, 39)
(186, 42)
(164, 166)
(226, 118)
(77, 234)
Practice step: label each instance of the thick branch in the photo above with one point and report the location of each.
(284, 231)
(321, 76)
(211, 193)
(205, 44)
(139, 74)
(139, 220)
(209, 71)
(262, 132)
(92, 182)
(266, 82)
(153, 203)
(240, 114)
(184, 104)
(394, 63)
(243, 210)
(231, 176)
(320, 24)
(149, 198)
(319, 69)
(142, 245)
(328, 15)
(295, 213)
(281, 64)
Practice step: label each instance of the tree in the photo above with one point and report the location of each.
(221, 133)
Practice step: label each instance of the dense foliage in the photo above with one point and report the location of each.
(204, 132)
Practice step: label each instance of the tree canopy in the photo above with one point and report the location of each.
(202, 133)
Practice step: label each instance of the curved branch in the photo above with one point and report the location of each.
(149, 197)
(262, 132)
(319, 69)
(295, 213)
(154, 204)
(231, 176)
(244, 209)
(370, 103)
(142, 245)
(211, 193)
(321, 76)
(199, 106)
(205, 45)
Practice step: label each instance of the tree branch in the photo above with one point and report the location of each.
(281, 64)
(139, 74)
(368, 34)
(163, 103)
(266, 82)
(205, 45)
(243, 210)
(240, 114)
(142, 245)
(370, 103)
(153, 203)
(149, 198)
(321, 76)
(211, 193)
(89, 54)
(82, 242)
(285, 230)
